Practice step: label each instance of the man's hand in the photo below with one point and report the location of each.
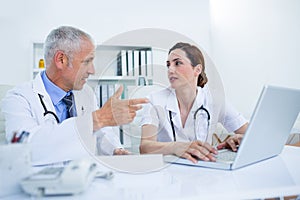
(116, 111)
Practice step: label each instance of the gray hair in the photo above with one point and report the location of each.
(65, 38)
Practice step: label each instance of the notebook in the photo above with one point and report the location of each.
(269, 128)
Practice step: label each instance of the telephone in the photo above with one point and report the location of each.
(71, 179)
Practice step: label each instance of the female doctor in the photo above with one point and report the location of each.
(38, 107)
(177, 119)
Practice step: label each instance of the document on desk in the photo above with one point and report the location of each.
(133, 163)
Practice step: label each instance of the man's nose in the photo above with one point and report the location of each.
(91, 69)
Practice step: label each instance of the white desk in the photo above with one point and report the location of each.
(279, 176)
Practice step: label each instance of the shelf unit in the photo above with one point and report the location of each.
(109, 64)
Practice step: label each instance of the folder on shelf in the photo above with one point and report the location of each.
(130, 63)
(126, 67)
(143, 63)
(136, 63)
(100, 96)
(124, 62)
(149, 63)
(140, 63)
(106, 91)
(97, 93)
(111, 90)
(132, 72)
(119, 64)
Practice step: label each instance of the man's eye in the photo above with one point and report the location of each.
(86, 62)
(168, 64)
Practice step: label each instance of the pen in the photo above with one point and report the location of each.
(20, 138)
(23, 137)
(14, 138)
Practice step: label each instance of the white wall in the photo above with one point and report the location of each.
(23, 22)
(255, 42)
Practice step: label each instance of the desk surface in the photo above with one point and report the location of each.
(278, 176)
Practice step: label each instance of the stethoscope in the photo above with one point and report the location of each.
(47, 111)
(195, 117)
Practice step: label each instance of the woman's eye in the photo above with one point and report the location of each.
(178, 63)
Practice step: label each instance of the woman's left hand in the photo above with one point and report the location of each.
(232, 142)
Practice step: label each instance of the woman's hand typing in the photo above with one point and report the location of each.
(195, 151)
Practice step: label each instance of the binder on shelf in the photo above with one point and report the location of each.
(149, 63)
(97, 93)
(111, 90)
(105, 92)
(136, 63)
(133, 64)
(143, 63)
(119, 64)
(140, 63)
(127, 60)
(130, 63)
(124, 62)
(100, 96)
(146, 63)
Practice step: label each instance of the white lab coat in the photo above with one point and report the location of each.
(51, 142)
(157, 113)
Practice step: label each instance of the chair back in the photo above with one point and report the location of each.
(3, 91)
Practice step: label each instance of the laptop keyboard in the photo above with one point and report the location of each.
(226, 156)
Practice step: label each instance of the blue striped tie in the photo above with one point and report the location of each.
(70, 105)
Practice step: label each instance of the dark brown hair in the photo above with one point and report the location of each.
(196, 57)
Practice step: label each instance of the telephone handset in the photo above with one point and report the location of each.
(71, 179)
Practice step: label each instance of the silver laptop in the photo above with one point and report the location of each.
(268, 130)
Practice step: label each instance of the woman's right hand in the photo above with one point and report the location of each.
(195, 151)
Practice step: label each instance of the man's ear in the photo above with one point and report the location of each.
(60, 59)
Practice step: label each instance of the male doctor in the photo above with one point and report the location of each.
(60, 111)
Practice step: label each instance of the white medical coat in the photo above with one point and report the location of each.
(51, 142)
(157, 113)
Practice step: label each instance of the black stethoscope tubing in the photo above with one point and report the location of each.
(195, 116)
(47, 111)
(172, 125)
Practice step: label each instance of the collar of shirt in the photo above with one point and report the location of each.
(56, 94)
(172, 102)
(172, 105)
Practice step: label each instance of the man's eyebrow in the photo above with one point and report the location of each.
(90, 56)
(88, 59)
